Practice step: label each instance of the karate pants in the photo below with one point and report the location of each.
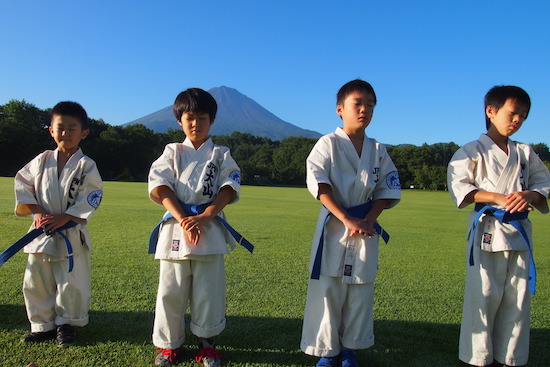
(337, 315)
(496, 314)
(201, 284)
(53, 296)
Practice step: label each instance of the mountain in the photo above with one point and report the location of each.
(236, 112)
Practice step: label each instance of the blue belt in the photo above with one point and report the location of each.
(26, 239)
(358, 211)
(195, 210)
(514, 220)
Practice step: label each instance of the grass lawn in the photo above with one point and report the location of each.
(418, 300)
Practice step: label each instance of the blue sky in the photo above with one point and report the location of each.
(430, 62)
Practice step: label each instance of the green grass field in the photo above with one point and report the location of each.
(418, 290)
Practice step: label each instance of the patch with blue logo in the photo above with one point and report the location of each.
(94, 198)
(392, 180)
(235, 176)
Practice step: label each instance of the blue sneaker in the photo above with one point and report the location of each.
(348, 358)
(328, 362)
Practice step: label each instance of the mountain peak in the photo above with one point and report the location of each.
(236, 112)
(225, 88)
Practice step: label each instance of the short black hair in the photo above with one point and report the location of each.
(356, 85)
(73, 109)
(498, 95)
(195, 100)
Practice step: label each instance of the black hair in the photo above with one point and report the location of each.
(195, 100)
(498, 95)
(73, 109)
(356, 85)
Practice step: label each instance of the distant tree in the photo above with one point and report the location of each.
(289, 160)
(90, 144)
(126, 153)
(144, 149)
(422, 166)
(23, 135)
(431, 177)
(542, 150)
(172, 136)
(258, 167)
(253, 154)
(407, 160)
(111, 152)
(440, 154)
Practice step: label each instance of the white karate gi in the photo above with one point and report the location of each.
(495, 320)
(52, 295)
(192, 273)
(339, 304)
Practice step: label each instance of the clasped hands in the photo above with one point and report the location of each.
(192, 227)
(518, 201)
(360, 226)
(50, 222)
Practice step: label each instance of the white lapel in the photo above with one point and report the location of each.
(349, 150)
(348, 167)
(363, 169)
(501, 167)
(191, 157)
(496, 160)
(50, 186)
(509, 174)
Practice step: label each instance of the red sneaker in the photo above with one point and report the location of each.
(208, 354)
(168, 357)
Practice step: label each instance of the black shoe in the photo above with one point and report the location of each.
(66, 334)
(40, 336)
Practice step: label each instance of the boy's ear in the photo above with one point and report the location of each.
(85, 134)
(490, 111)
(339, 110)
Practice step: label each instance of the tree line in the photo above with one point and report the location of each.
(125, 153)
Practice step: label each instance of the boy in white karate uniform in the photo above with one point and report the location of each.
(510, 179)
(346, 169)
(191, 247)
(59, 187)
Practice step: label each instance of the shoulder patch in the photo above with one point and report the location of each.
(94, 198)
(392, 180)
(235, 176)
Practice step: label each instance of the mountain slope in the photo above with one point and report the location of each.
(236, 112)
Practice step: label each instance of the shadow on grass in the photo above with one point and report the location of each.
(275, 341)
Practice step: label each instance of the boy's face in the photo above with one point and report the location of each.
(67, 132)
(356, 111)
(506, 120)
(196, 127)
